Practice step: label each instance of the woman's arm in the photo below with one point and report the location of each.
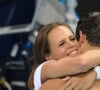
(57, 84)
(96, 85)
(71, 65)
(84, 81)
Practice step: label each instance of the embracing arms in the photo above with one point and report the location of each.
(71, 65)
(84, 81)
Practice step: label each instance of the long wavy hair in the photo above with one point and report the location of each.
(41, 47)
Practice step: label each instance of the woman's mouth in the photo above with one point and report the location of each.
(73, 53)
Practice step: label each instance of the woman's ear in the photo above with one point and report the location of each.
(82, 38)
(47, 57)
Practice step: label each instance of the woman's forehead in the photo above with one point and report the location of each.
(59, 33)
(60, 30)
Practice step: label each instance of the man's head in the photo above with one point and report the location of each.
(89, 26)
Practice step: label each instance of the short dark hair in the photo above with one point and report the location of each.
(90, 26)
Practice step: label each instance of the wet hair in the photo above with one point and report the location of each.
(90, 26)
(41, 47)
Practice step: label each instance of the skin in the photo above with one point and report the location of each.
(61, 46)
(64, 45)
(61, 84)
(65, 65)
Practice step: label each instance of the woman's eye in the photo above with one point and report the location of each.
(61, 44)
(73, 38)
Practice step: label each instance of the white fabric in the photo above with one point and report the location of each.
(97, 70)
(37, 77)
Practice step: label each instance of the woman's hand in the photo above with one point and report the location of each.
(80, 82)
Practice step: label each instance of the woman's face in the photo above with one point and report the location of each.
(62, 43)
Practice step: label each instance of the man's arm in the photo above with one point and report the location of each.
(52, 84)
(96, 85)
(57, 84)
(80, 81)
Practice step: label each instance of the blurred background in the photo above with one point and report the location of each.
(20, 21)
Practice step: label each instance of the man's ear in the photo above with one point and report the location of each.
(48, 57)
(82, 38)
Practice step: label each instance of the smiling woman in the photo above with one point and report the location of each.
(54, 45)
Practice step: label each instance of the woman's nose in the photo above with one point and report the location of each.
(70, 44)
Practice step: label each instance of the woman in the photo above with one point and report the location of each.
(54, 44)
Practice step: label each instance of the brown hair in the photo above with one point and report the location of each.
(41, 47)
